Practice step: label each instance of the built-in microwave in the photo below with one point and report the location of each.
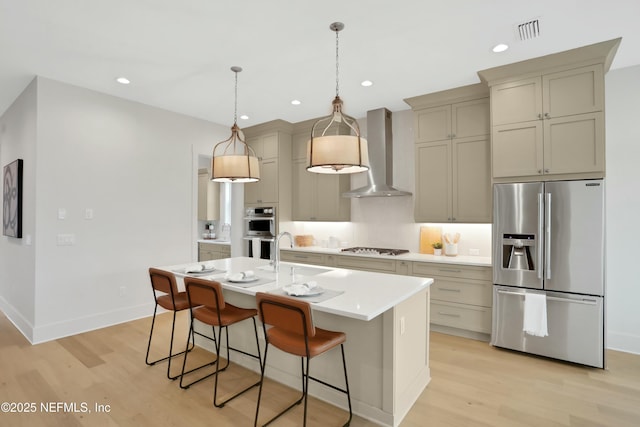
(260, 222)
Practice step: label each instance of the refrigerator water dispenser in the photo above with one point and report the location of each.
(517, 251)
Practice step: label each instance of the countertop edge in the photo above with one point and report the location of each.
(411, 256)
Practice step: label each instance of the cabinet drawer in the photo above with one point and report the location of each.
(464, 292)
(454, 315)
(304, 258)
(225, 251)
(368, 264)
(427, 269)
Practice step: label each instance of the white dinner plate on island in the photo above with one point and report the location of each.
(242, 279)
(302, 290)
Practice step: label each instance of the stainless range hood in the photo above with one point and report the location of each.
(380, 144)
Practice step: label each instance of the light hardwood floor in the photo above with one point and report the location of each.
(472, 384)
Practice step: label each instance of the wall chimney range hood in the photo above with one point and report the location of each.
(380, 140)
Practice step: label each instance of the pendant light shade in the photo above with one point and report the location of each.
(335, 145)
(233, 160)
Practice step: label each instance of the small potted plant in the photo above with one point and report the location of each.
(437, 248)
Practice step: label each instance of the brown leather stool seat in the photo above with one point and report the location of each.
(293, 331)
(209, 307)
(172, 300)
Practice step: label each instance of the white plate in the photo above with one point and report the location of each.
(203, 271)
(245, 280)
(290, 290)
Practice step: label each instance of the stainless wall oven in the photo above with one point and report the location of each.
(260, 222)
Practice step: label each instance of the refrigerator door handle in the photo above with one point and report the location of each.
(547, 236)
(540, 233)
(585, 301)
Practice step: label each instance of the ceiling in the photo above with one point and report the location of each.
(178, 53)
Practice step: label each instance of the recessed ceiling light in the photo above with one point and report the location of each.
(244, 117)
(123, 80)
(500, 48)
(367, 83)
(295, 102)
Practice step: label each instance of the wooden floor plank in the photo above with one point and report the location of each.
(473, 384)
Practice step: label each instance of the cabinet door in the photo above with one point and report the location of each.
(470, 118)
(268, 181)
(516, 102)
(208, 198)
(303, 199)
(433, 124)
(517, 149)
(573, 92)
(471, 180)
(299, 146)
(330, 205)
(270, 146)
(433, 183)
(574, 144)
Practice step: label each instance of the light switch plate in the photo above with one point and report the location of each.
(62, 213)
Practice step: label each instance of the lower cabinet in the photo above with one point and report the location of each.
(211, 251)
(306, 257)
(461, 295)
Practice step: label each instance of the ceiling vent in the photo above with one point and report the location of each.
(528, 30)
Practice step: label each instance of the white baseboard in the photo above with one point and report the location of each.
(53, 331)
(23, 325)
(70, 327)
(623, 342)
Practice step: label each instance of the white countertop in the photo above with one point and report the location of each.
(411, 256)
(366, 294)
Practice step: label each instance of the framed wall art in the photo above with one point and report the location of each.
(12, 199)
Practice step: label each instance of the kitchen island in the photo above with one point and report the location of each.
(385, 318)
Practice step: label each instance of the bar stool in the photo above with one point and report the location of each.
(292, 331)
(165, 282)
(209, 307)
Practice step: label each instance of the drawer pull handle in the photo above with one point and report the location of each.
(450, 270)
(449, 290)
(448, 314)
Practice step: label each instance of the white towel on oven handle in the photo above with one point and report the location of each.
(535, 315)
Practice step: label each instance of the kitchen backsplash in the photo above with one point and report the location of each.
(396, 236)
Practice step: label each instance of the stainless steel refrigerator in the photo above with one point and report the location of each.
(548, 238)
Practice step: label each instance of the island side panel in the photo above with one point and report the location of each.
(406, 355)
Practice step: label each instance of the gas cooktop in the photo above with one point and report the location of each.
(375, 251)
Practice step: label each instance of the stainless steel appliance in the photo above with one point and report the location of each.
(548, 238)
(260, 222)
(375, 251)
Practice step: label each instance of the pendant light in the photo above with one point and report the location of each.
(335, 145)
(233, 160)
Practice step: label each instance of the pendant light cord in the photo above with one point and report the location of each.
(337, 66)
(235, 105)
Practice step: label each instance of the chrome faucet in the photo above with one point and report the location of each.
(276, 252)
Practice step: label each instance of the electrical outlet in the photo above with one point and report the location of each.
(402, 325)
(66, 239)
(88, 213)
(474, 251)
(123, 291)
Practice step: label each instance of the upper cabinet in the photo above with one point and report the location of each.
(272, 143)
(316, 197)
(208, 197)
(547, 115)
(452, 156)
